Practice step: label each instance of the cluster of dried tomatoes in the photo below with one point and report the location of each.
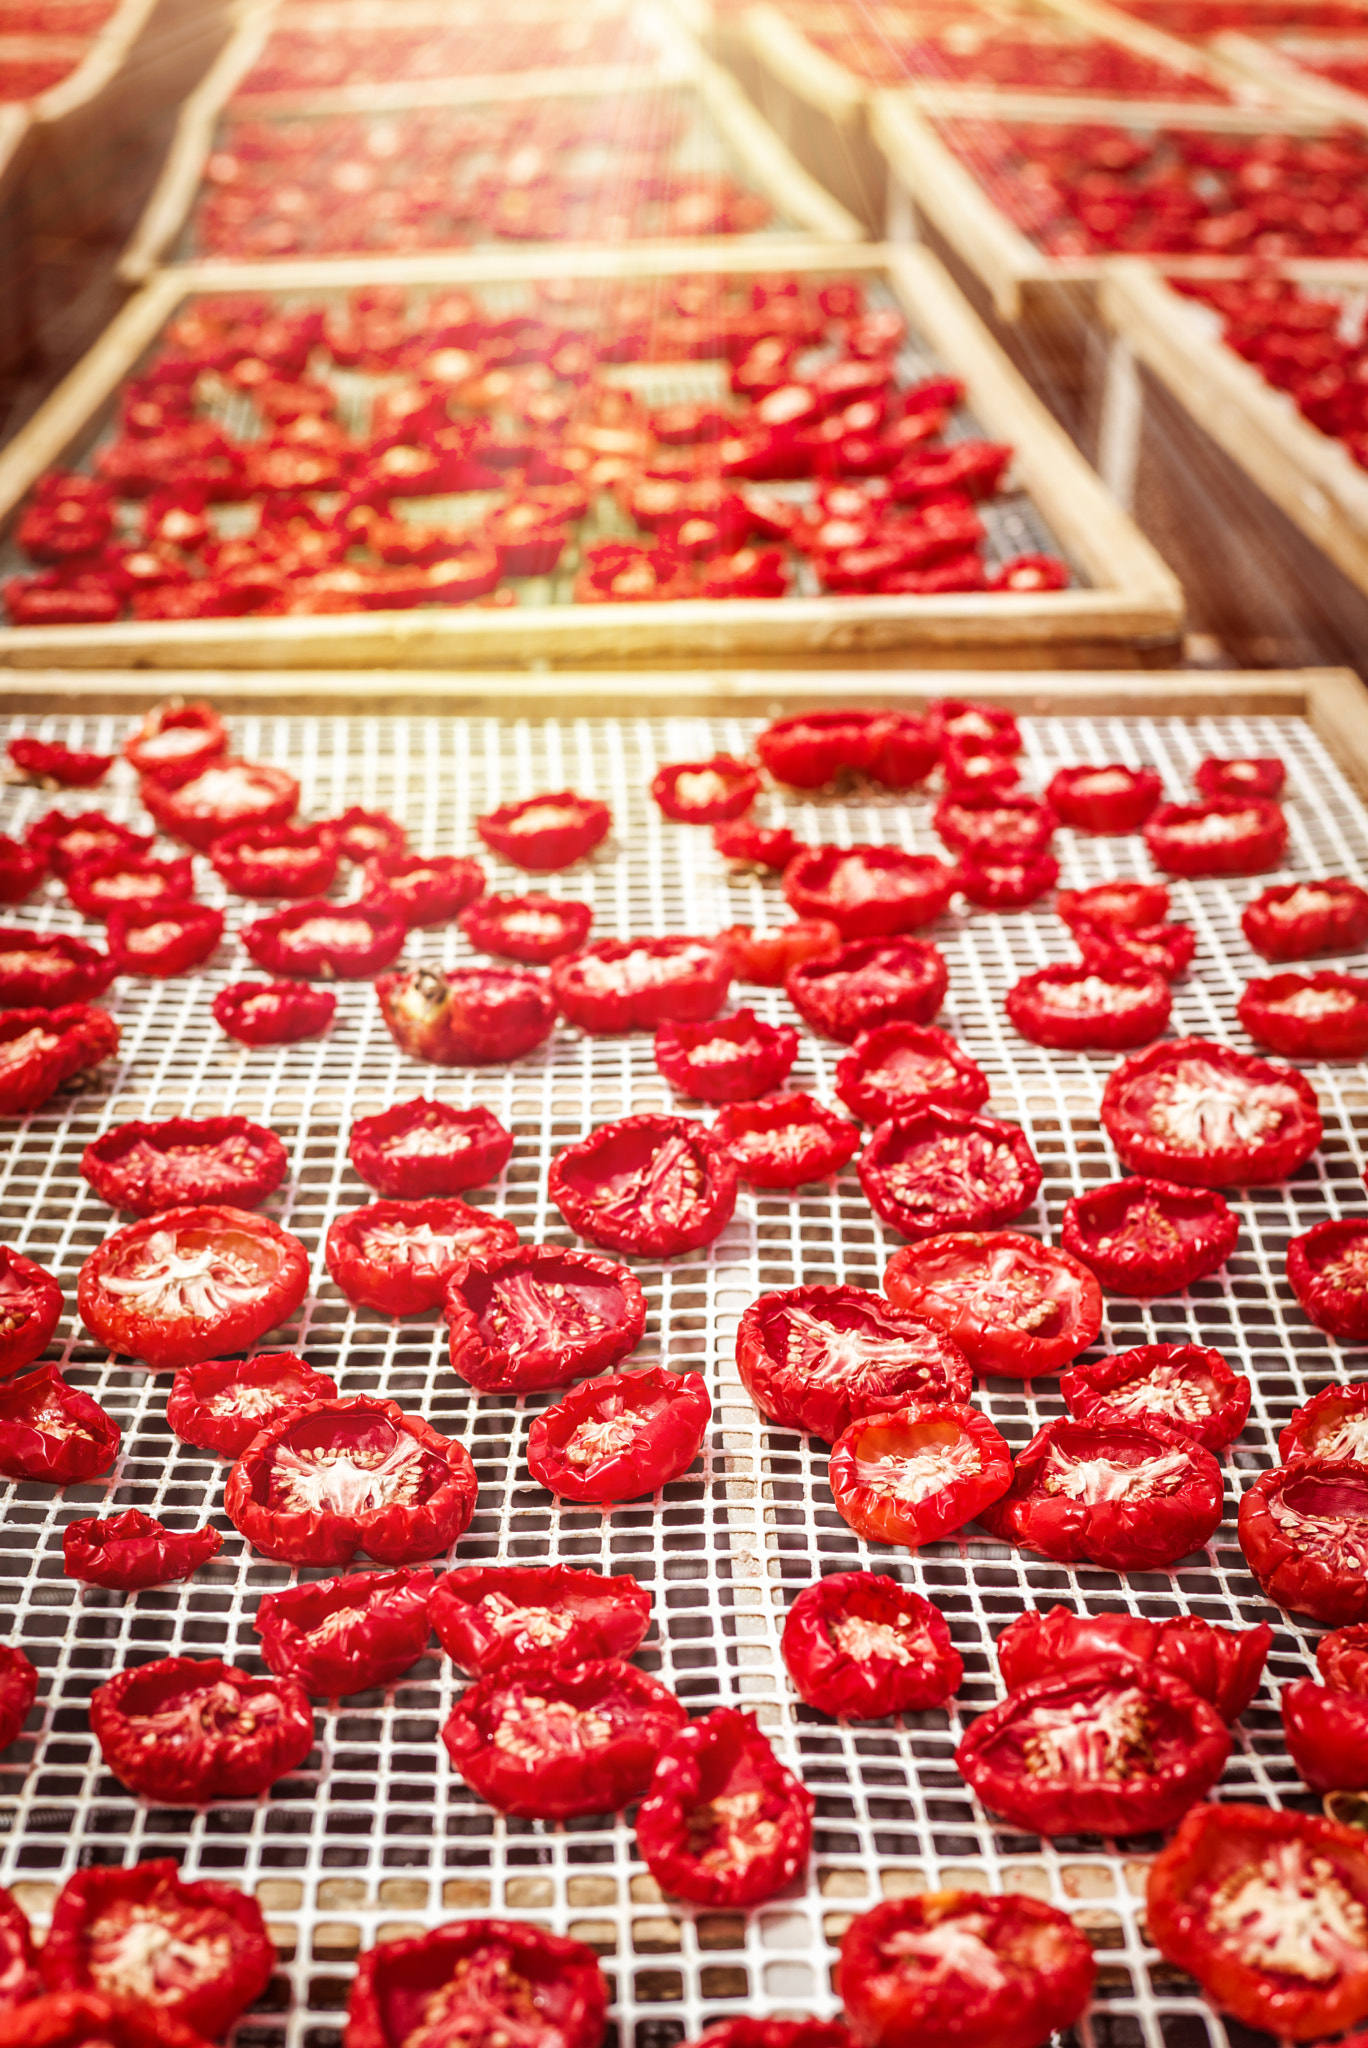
(301, 58)
(1298, 342)
(1049, 56)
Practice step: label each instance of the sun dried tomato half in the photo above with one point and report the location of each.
(724, 1823)
(899, 1068)
(333, 1637)
(1146, 1237)
(1268, 1910)
(1296, 920)
(273, 1012)
(489, 1617)
(533, 929)
(986, 725)
(1320, 1016)
(636, 984)
(1007, 885)
(49, 970)
(148, 1167)
(1165, 949)
(818, 1358)
(1013, 1306)
(943, 1168)
(706, 792)
(1249, 775)
(18, 1691)
(295, 861)
(764, 954)
(1303, 1529)
(21, 870)
(654, 1186)
(1221, 1665)
(731, 1059)
(397, 1257)
(543, 833)
(868, 892)
(1187, 1386)
(994, 828)
(422, 889)
(185, 1730)
(176, 735)
(813, 748)
(549, 1742)
(64, 841)
(496, 1978)
(1326, 1733)
(30, 1309)
(1332, 1424)
(621, 1437)
(326, 941)
(866, 983)
(219, 796)
(132, 1550)
(1007, 1971)
(785, 1141)
(55, 766)
(860, 1645)
(359, 835)
(1328, 1268)
(472, 1016)
(1131, 1496)
(769, 847)
(1081, 1008)
(337, 1476)
(51, 1432)
(1118, 905)
(1342, 1659)
(1112, 799)
(915, 1474)
(117, 881)
(1224, 835)
(1192, 1111)
(190, 1283)
(422, 1148)
(163, 942)
(43, 1050)
(19, 1979)
(530, 1316)
(221, 1403)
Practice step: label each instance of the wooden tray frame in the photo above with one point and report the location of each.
(1274, 66)
(1132, 613)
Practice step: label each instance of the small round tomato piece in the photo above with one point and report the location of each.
(44, 1050)
(1308, 1016)
(474, 1979)
(422, 889)
(985, 726)
(397, 1257)
(731, 1059)
(472, 1016)
(1007, 1971)
(532, 929)
(654, 1186)
(724, 1823)
(423, 1148)
(325, 941)
(1296, 920)
(943, 1168)
(1332, 1424)
(491, 1616)
(1119, 905)
(706, 792)
(182, 1731)
(132, 1550)
(163, 942)
(323, 1481)
(51, 1432)
(273, 1012)
(622, 1437)
(177, 736)
(1013, 1306)
(1326, 1733)
(994, 828)
(189, 1283)
(1146, 1237)
(1342, 1659)
(1111, 799)
(1303, 1529)
(785, 1141)
(532, 1316)
(1185, 1385)
(764, 954)
(359, 835)
(813, 748)
(1086, 1008)
(30, 1309)
(1244, 775)
(756, 846)
(637, 984)
(18, 1691)
(148, 1167)
(867, 983)
(899, 1068)
(220, 1404)
(275, 860)
(1006, 884)
(65, 842)
(1131, 1496)
(868, 892)
(918, 1473)
(338, 1636)
(1328, 1268)
(1192, 1111)
(48, 970)
(817, 1358)
(860, 1645)
(1221, 1665)
(543, 833)
(1224, 835)
(116, 881)
(219, 796)
(549, 1743)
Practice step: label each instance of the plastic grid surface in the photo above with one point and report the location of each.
(374, 1834)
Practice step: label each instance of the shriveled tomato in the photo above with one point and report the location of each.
(1223, 835)
(1006, 884)
(85, 2019)
(1145, 1237)
(1303, 1529)
(423, 1148)
(49, 970)
(1327, 1735)
(185, 1730)
(30, 1309)
(473, 1016)
(994, 828)
(533, 929)
(751, 845)
(262, 861)
(732, 1059)
(1296, 920)
(43, 1050)
(336, 1476)
(1119, 905)
(339, 1636)
(1342, 1659)
(1328, 1268)
(651, 1185)
(491, 1616)
(943, 1168)
(549, 1742)
(637, 984)
(148, 1167)
(51, 1432)
(163, 941)
(1165, 949)
(397, 1257)
(359, 834)
(116, 881)
(217, 796)
(64, 841)
(18, 1691)
(987, 726)
(273, 1012)
(868, 892)
(325, 941)
(764, 954)
(1221, 1665)
(1332, 1424)
(915, 1474)
(543, 833)
(899, 1068)
(786, 1140)
(21, 870)
(1320, 1016)
(1131, 1496)
(19, 1979)
(1013, 1306)
(860, 1645)
(1089, 1008)
(131, 1550)
(469, 1979)
(221, 1403)
(621, 1437)
(176, 735)
(181, 1286)
(1247, 775)
(1111, 799)
(530, 1316)
(724, 1823)
(422, 889)
(706, 792)
(817, 1358)
(812, 748)
(1192, 1111)
(1187, 1386)
(866, 983)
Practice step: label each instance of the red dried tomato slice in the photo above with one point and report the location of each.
(651, 1185)
(636, 984)
(51, 1432)
(1118, 1749)
(83, 2019)
(422, 889)
(30, 1309)
(1087, 1008)
(960, 718)
(750, 845)
(732, 1059)
(117, 881)
(275, 860)
(939, 1168)
(18, 1691)
(1131, 1496)
(706, 792)
(176, 735)
(860, 1645)
(1203, 1115)
(1247, 775)
(787, 1141)
(1326, 1733)
(491, 1616)
(994, 828)
(1112, 799)
(533, 929)
(1303, 1529)
(818, 1358)
(347, 1474)
(19, 1980)
(21, 870)
(1225, 835)
(54, 766)
(1007, 885)
(1119, 905)
(422, 1148)
(544, 833)
(64, 841)
(550, 1743)
(1295, 920)
(868, 892)
(899, 1068)
(915, 1474)
(724, 1823)
(218, 796)
(131, 1550)
(1328, 1268)
(1220, 1665)
(1342, 1659)
(765, 954)
(221, 1403)
(867, 983)
(397, 1257)
(813, 748)
(49, 970)
(191, 1282)
(359, 835)
(473, 1979)
(1187, 1386)
(1146, 1237)
(1013, 1306)
(197, 1951)
(1165, 949)
(533, 1316)
(1267, 1910)
(147, 1167)
(340, 1636)
(1332, 1424)
(1308, 1016)
(185, 1730)
(327, 941)
(473, 1016)
(44, 1050)
(1001, 1972)
(163, 942)
(273, 1012)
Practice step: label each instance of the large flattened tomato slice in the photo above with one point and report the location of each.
(1328, 1268)
(1187, 1386)
(941, 1169)
(1223, 835)
(912, 1475)
(492, 1616)
(653, 1186)
(218, 796)
(866, 983)
(1221, 1665)
(30, 1309)
(1145, 1237)
(1303, 1529)
(620, 1437)
(1014, 1306)
(638, 984)
(186, 1160)
(190, 1283)
(49, 970)
(131, 1550)
(1109, 799)
(898, 1068)
(421, 1148)
(42, 1050)
(339, 1636)
(785, 1141)
(533, 1316)
(273, 1012)
(817, 1358)
(860, 1645)
(1321, 1016)
(731, 1059)
(219, 1404)
(476, 1981)
(325, 941)
(1089, 1008)
(868, 892)
(1124, 1496)
(724, 1823)
(185, 1730)
(532, 929)
(543, 833)
(397, 1257)
(1192, 1111)
(1297, 920)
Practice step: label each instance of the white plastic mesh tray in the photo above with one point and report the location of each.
(375, 1834)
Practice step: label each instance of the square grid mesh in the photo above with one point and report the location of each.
(374, 1834)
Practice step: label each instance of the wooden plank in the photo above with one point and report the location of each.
(774, 169)
(1277, 70)
(1204, 62)
(1337, 707)
(817, 79)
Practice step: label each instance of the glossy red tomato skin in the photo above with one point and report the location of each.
(694, 1058)
(719, 1758)
(176, 735)
(868, 892)
(531, 929)
(64, 841)
(273, 1012)
(269, 1268)
(82, 2019)
(388, 1624)
(1248, 775)
(1085, 1008)
(975, 1469)
(19, 1979)
(263, 1727)
(198, 808)
(422, 1148)
(1328, 1268)
(186, 1160)
(508, 1964)
(1014, 1306)
(226, 1953)
(491, 1617)
(131, 1550)
(163, 942)
(21, 870)
(1332, 1424)
(1144, 1237)
(1182, 1742)
(534, 1316)
(41, 1050)
(820, 1391)
(397, 1257)
(1164, 949)
(359, 834)
(304, 862)
(49, 970)
(994, 828)
(1327, 1735)
(1151, 1083)
(322, 940)
(596, 1774)
(941, 1169)
(1119, 905)
(18, 1691)
(657, 1223)
(425, 1504)
(1226, 1846)
(1006, 884)
(1255, 839)
(735, 786)
(1297, 920)
(1222, 1666)
(812, 748)
(836, 1648)
(514, 830)
(113, 881)
(220, 1404)
(422, 890)
(666, 1413)
(1111, 799)
(1342, 1659)
(30, 1310)
(786, 1141)
(900, 1984)
(1131, 1533)
(766, 954)
(638, 984)
(476, 1016)
(1299, 1526)
(84, 1443)
(1197, 1393)
(769, 847)
(1321, 1016)
(900, 1067)
(867, 983)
